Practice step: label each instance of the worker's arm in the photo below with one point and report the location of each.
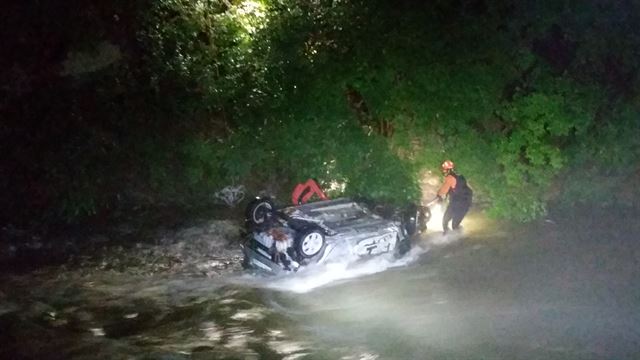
(449, 183)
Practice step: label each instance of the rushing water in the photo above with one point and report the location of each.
(565, 290)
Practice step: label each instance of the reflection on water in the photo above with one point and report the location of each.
(180, 319)
(550, 291)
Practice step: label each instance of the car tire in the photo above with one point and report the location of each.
(259, 211)
(310, 242)
(410, 220)
(424, 215)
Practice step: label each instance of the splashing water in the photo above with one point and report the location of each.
(435, 221)
(313, 277)
(434, 226)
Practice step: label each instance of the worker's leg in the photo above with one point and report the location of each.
(448, 215)
(459, 210)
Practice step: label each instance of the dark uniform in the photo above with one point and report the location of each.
(460, 196)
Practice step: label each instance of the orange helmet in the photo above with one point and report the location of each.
(447, 165)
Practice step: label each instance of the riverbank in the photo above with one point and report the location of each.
(204, 249)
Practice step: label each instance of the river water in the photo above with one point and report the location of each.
(558, 289)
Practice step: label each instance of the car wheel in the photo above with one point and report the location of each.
(309, 243)
(410, 219)
(258, 211)
(424, 215)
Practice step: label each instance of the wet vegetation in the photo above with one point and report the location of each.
(109, 108)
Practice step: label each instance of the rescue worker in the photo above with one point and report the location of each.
(456, 189)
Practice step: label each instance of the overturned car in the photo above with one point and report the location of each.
(325, 231)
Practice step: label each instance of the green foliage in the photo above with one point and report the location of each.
(529, 150)
(200, 162)
(334, 150)
(203, 56)
(607, 156)
(505, 118)
(180, 98)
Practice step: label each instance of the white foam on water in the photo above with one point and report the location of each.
(435, 221)
(440, 239)
(312, 277)
(434, 226)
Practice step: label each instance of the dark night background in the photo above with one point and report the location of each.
(122, 122)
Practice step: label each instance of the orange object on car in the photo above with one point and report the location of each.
(303, 192)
